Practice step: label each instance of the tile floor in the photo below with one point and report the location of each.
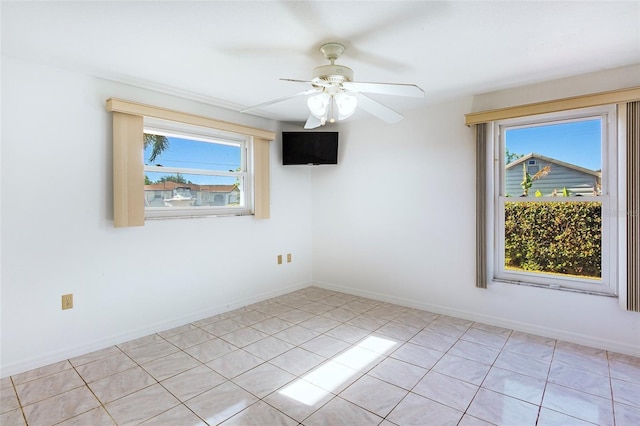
(317, 357)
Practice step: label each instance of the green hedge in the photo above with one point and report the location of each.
(562, 237)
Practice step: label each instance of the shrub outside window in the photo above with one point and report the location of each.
(554, 194)
(194, 171)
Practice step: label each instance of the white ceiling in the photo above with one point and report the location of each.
(232, 53)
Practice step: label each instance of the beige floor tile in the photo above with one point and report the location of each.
(417, 410)
(432, 340)
(398, 331)
(96, 417)
(484, 337)
(578, 404)
(141, 405)
(297, 361)
(626, 392)
(398, 373)
(121, 384)
(446, 390)
(190, 338)
(553, 418)
(325, 346)
(12, 418)
(332, 376)
(260, 414)
(234, 363)
(8, 400)
(210, 350)
(348, 333)
(60, 407)
(296, 335)
(626, 415)
(501, 409)
(243, 337)
(341, 412)
(295, 316)
(299, 399)
(272, 325)
(374, 395)
(516, 385)
(152, 351)
(417, 355)
(317, 356)
(523, 364)
(177, 416)
(193, 382)
(223, 326)
(221, 403)
(6, 383)
(46, 387)
(320, 324)
(38, 373)
(629, 372)
(94, 356)
(170, 365)
(104, 367)
(474, 351)
(142, 341)
(263, 379)
(582, 380)
(268, 348)
(461, 368)
(177, 330)
(340, 314)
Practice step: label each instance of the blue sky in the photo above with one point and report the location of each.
(197, 155)
(577, 143)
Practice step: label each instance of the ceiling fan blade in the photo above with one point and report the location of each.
(410, 90)
(376, 109)
(275, 101)
(312, 122)
(315, 83)
(295, 80)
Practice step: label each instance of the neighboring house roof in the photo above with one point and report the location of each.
(553, 160)
(170, 186)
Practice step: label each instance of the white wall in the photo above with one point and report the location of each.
(58, 235)
(395, 221)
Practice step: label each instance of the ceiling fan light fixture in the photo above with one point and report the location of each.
(319, 104)
(346, 105)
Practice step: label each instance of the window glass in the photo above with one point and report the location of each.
(554, 159)
(551, 197)
(189, 172)
(194, 154)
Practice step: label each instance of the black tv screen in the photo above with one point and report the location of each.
(309, 148)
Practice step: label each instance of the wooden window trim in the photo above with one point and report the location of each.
(557, 105)
(128, 167)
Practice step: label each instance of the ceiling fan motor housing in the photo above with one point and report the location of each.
(332, 74)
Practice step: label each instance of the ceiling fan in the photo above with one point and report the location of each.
(334, 95)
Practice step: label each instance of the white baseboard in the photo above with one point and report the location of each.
(552, 333)
(52, 357)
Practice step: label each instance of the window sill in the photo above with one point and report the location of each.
(163, 213)
(554, 287)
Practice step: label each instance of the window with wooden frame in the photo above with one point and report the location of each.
(172, 164)
(622, 205)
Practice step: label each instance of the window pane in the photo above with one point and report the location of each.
(563, 159)
(559, 238)
(193, 154)
(180, 190)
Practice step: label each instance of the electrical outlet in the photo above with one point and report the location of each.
(279, 259)
(288, 257)
(67, 301)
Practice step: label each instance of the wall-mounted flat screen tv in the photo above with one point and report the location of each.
(309, 148)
